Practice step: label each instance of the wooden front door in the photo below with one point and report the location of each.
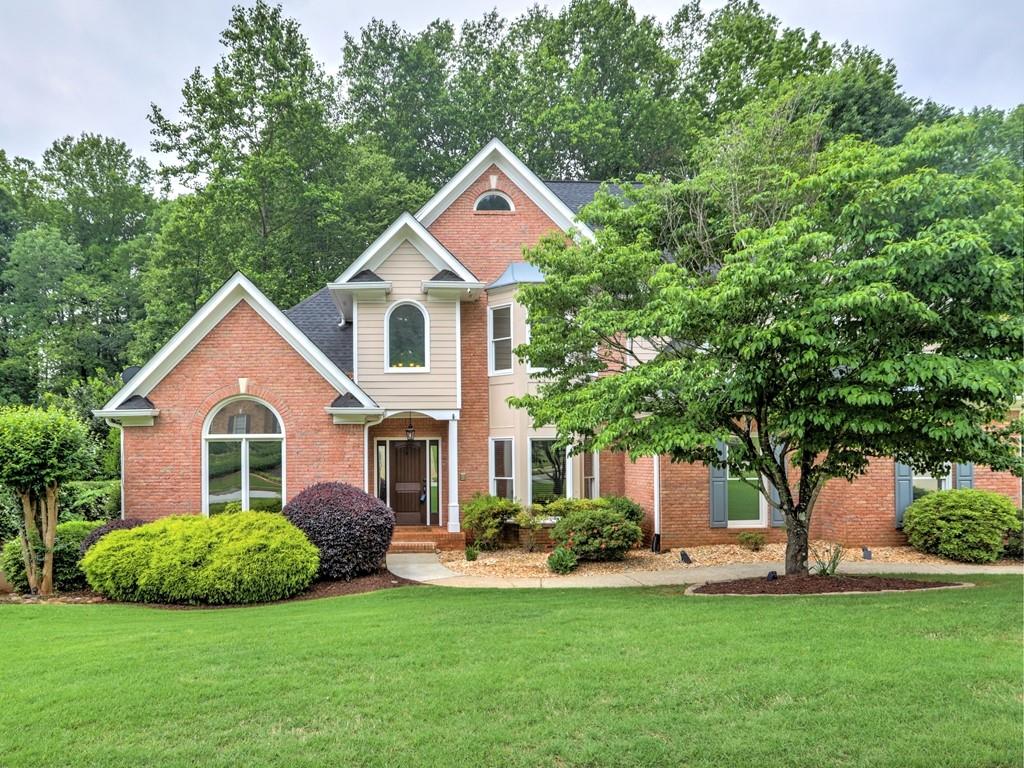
(408, 484)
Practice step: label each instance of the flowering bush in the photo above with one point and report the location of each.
(596, 534)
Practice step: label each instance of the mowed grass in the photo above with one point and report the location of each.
(432, 676)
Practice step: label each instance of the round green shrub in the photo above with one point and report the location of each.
(562, 560)
(247, 557)
(628, 508)
(1015, 537)
(67, 575)
(596, 534)
(966, 525)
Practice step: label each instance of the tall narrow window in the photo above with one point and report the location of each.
(434, 480)
(244, 453)
(747, 507)
(547, 471)
(501, 468)
(501, 339)
(590, 489)
(407, 337)
(382, 472)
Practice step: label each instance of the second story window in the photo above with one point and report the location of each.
(500, 353)
(407, 337)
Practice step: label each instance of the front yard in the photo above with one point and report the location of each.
(432, 676)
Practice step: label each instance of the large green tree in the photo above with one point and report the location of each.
(808, 308)
(280, 190)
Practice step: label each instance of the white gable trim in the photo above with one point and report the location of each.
(405, 227)
(496, 153)
(238, 288)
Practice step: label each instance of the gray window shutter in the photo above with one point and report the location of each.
(904, 491)
(778, 519)
(720, 492)
(964, 475)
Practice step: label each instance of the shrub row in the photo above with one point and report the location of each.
(247, 557)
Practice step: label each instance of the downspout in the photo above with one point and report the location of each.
(656, 539)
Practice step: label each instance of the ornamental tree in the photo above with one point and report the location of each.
(808, 308)
(39, 450)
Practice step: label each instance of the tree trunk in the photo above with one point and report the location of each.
(49, 539)
(29, 536)
(796, 547)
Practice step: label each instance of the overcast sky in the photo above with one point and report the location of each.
(68, 66)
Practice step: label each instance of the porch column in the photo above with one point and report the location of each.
(454, 524)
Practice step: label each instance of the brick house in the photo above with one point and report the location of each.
(394, 378)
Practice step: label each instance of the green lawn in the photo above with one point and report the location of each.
(433, 676)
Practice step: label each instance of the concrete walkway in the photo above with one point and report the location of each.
(427, 568)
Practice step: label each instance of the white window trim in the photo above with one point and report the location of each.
(529, 469)
(426, 337)
(488, 193)
(207, 437)
(490, 465)
(491, 370)
(762, 507)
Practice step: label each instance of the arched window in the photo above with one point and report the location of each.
(493, 201)
(243, 457)
(408, 337)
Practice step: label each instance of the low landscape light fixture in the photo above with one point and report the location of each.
(772, 575)
(683, 557)
(865, 553)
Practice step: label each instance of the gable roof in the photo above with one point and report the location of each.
(237, 289)
(405, 227)
(496, 153)
(575, 194)
(317, 316)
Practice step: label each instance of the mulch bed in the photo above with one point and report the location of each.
(814, 585)
(381, 580)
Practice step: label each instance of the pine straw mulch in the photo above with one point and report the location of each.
(816, 585)
(515, 563)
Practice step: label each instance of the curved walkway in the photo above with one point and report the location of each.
(427, 568)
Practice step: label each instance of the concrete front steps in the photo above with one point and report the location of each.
(409, 539)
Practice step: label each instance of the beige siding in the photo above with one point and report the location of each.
(506, 421)
(406, 268)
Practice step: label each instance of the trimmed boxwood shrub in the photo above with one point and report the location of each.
(352, 529)
(104, 528)
(1015, 537)
(596, 534)
(249, 557)
(67, 575)
(483, 516)
(967, 525)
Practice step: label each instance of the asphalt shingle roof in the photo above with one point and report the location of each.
(318, 318)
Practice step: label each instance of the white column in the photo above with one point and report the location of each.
(570, 475)
(454, 524)
(657, 493)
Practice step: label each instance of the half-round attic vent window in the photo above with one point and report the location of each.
(493, 201)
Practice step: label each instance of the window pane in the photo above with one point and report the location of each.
(547, 471)
(265, 470)
(744, 501)
(407, 338)
(502, 458)
(244, 416)
(224, 474)
(493, 203)
(382, 472)
(503, 488)
(923, 485)
(435, 475)
(502, 354)
(501, 322)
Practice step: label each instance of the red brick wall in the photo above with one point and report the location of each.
(612, 479)
(486, 242)
(163, 462)
(638, 485)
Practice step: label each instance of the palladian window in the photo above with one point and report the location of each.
(407, 340)
(243, 448)
(493, 201)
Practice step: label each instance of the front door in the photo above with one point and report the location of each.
(409, 482)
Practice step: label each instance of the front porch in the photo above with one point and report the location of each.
(425, 538)
(412, 465)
